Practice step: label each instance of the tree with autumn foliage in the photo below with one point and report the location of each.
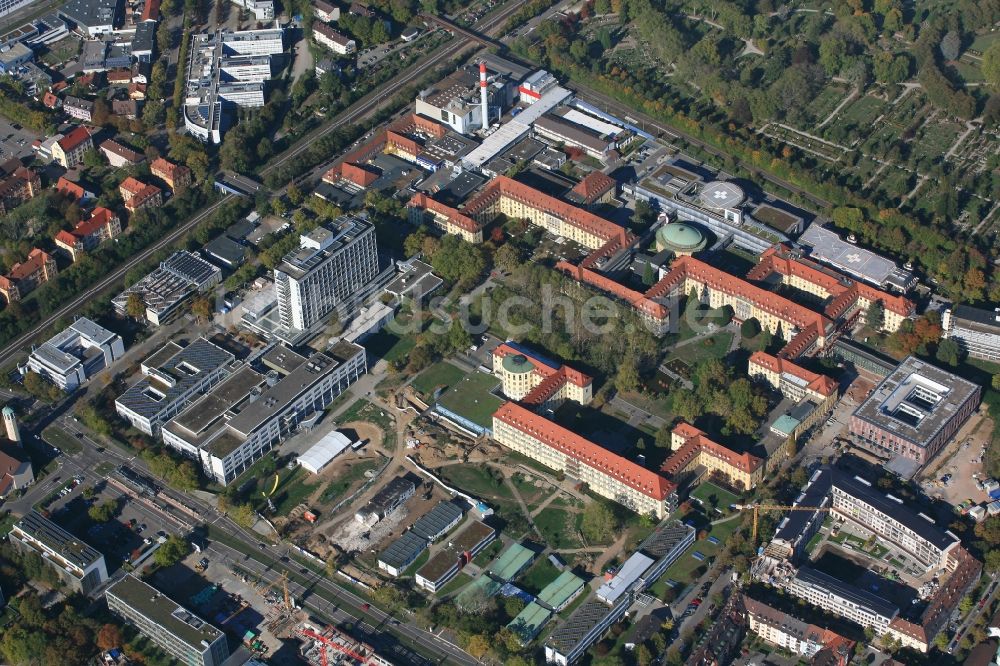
(110, 637)
(914, 336)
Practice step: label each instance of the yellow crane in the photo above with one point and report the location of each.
(283, 579)
(757, 508)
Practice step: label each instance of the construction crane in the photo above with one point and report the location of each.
(243, 606)
(309, 633)
(283, 579)
(757, 508)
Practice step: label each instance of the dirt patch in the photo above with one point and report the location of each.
(362, 430)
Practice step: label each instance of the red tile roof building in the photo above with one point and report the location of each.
(421, 208)
(519, 201)
(15, 474)
(845, 299)
(535, 382)
(176, 176)
(24, 277)
(17, 185)
(138, 195)
(349, 172)
(102, 225)
(595, 187)
(50, 100)
(69, 150)
(151, 11)
(792, 380)
(126, 108)
(70, 190)
(692, 448)
(119, 77)
(605, 473)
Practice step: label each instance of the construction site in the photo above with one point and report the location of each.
(326, 646)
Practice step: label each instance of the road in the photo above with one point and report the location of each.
(977, 610)
(316, 592)
(363, 108)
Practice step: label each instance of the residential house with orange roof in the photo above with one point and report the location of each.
(692, 449)
(605, 473)
(70, 149)
(102, 225)
(119, 77)
(27, 275)
(18, 184)
(138, 195)
(15, 471)
(176, 176)
(70, 190)
(137, 91)
(533, 380)
(51, 101)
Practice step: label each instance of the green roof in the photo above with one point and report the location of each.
(559, 591)
(785, 424)
(529, 622)
(681, 236)
(517, 363)
(511, 562)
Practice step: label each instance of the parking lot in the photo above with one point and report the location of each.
(15, 141)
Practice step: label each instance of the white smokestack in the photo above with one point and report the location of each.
(482, 94)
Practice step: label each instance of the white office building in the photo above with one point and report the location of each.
(245, 416)
(172, 377)
(832, 595)
(79, 566)
(332, 265)
(262, 10)
(81, 351)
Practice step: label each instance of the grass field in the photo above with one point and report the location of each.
(538, 576)
(861, 112)
(389, 346)
(62, 440)
(473, 479)
(292, 491)
(342, 484)
(715, 346)
(471, 397)
(983, 42)
(454, 585)
(683, 569)
(826, 101)
(558, 526)
(440, 375)
(715, 497)
(935, 139)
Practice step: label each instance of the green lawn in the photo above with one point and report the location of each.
(440, 375)
(486, 556)
(417, 563)
(292, 491)
(389, 346)
(983, 42)
(558, 526)
(471, 398)
(540, 574)
(862, 112)
(343, 483)
(715, 497)
(473, 479)
(62, 440)
(714, 346)
(531, 494)
(454, 585)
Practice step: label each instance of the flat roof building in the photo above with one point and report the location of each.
(449, 560)
(827, 247)
(82, 350)
(389, 498)
(511, 563)
(78, 565)
(172, 377)
(93, 17)
(179, 277)
(438, 521)
(977, 331)
(179, 632)
(832, 595)
(914, 412)
(629, 575)
(236, 424)
(401, 553)
(559, 593)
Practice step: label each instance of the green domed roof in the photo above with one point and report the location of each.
(517, 363)
(681, 236)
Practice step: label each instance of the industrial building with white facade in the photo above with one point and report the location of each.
(71, 357)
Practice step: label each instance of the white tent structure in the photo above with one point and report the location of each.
(319, 456)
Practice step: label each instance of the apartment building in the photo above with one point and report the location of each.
(595, 188)
(842, 298)
(79, 352)
(332, 269)
(607, 474)
(172, 376)
(536, 381)
(234, 424)
(78, 108)
(262, 10)
(815, 395)
(976, 330)
(69, 150)
(792, 634)
(519, 201)
(422, 209)
(17, 185)
(694, 451)
(120, 156)
(832, 595)
(176, 176)
(102, 225)
(179, 632)
(888, 516)
(337, 42)
(914, 412)
(138, 195)
(80, 567)
(24, 277)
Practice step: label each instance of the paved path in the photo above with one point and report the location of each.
(524, 507)
(969, 128)
(844, 102)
